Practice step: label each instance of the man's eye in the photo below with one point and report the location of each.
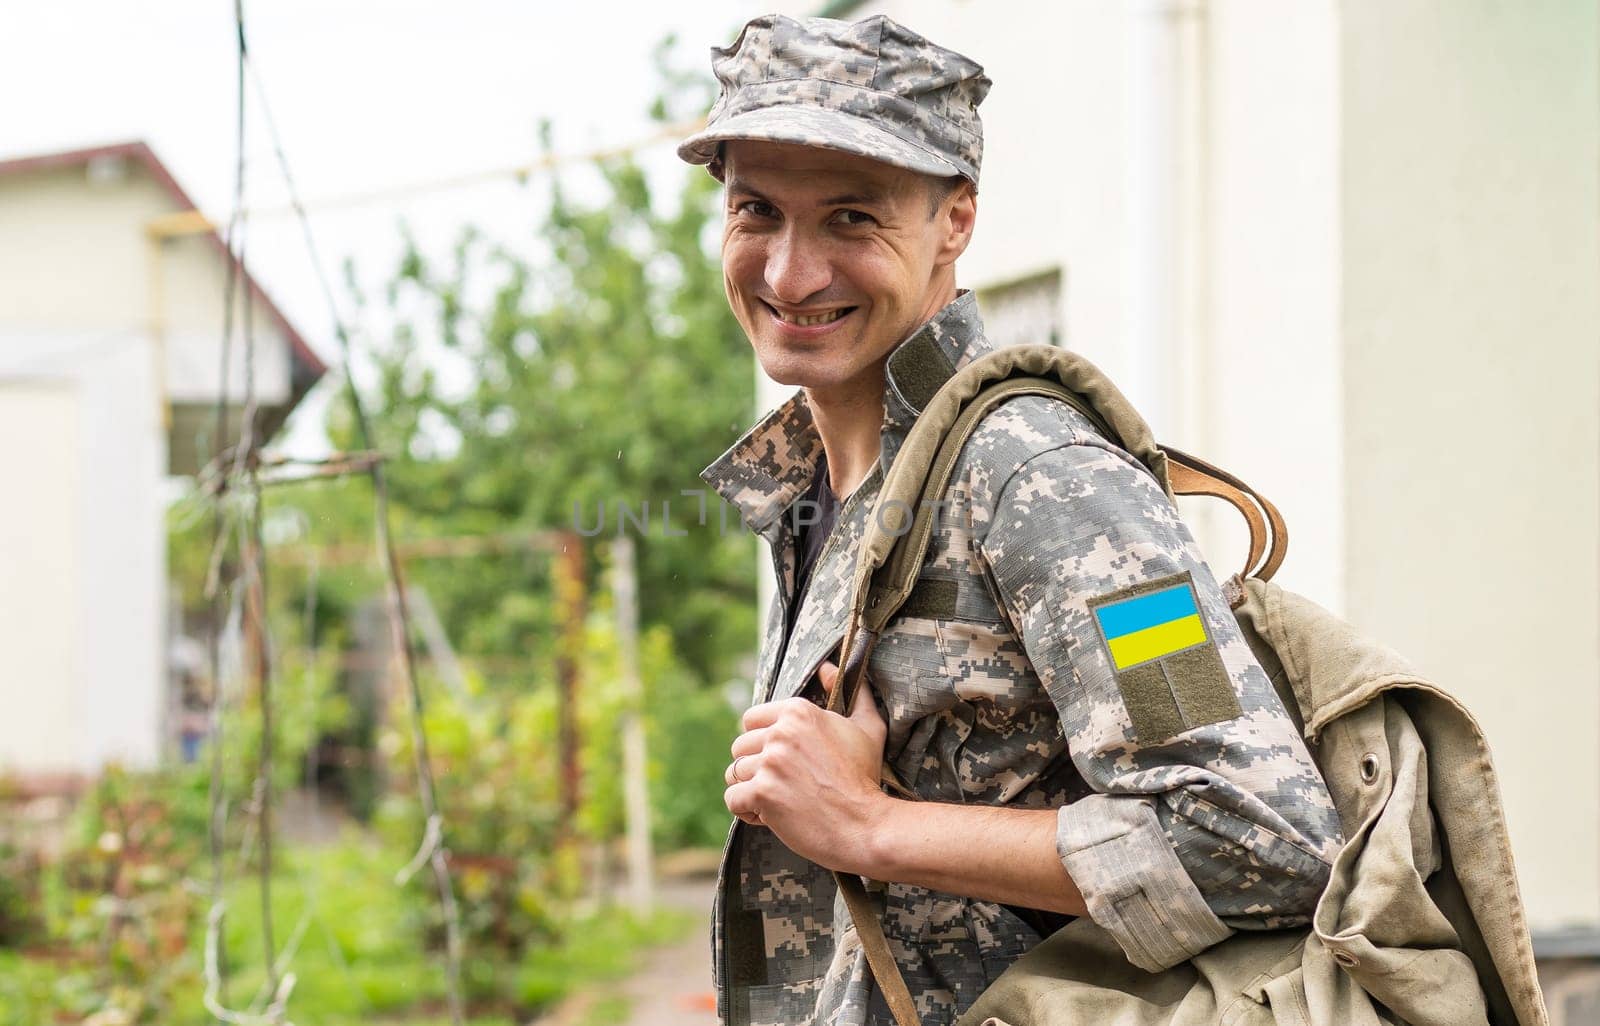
(855, 218)
(758, 208)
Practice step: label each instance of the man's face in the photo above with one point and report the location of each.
(830, 260)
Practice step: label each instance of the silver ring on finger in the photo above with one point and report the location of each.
(736, 775)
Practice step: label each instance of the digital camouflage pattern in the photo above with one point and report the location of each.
(1005, 695)
(872, 87)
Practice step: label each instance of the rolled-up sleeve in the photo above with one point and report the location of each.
(1209, 814)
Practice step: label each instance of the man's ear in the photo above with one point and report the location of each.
(957, 218)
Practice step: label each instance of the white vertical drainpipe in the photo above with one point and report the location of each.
(1165, 283)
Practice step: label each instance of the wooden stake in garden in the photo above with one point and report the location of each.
(570, 611)
(635, 782)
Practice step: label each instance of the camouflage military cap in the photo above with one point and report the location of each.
(871, 87)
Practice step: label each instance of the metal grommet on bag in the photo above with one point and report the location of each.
(1369, 767)
(1345, 959)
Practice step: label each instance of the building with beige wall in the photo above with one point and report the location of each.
(1350, 251)
(111, 292)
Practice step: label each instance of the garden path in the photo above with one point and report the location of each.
(673, 988)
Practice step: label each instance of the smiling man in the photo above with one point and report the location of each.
(1013, 692)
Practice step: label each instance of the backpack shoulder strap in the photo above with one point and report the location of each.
(918, 495)
(902, 523)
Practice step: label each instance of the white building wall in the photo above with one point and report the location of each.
(99, 324)
(41, 603)
(1471, 321)
(1273, 393)
(123, 559)
(76, 257)
(83, 540)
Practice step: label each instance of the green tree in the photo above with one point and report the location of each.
(605, 375)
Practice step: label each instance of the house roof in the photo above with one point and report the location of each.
(307, 366)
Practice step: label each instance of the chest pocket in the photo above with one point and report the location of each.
(969, 720)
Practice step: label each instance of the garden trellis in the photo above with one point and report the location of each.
(231, 487)
(234, 469)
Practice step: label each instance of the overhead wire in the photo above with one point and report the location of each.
(520, 172)
(514, 172)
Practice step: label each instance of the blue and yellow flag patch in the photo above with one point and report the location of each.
(1163, 656)
(1151, 626)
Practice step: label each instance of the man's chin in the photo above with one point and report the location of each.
(796, 365)
(790, 372)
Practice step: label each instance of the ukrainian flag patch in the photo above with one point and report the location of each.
(1150, 626)
(1165, 661)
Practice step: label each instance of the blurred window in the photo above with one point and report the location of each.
(1025, 311)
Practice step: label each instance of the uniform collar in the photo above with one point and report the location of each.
(764, 472)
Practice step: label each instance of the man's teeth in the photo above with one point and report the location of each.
(806, 322)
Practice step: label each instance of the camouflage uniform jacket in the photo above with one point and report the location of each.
(999, 687)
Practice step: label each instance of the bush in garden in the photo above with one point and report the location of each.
(494, 772)
(131, 907)
(20, 921)
(690, 728)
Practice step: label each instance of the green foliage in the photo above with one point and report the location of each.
(604, 375)
(356, 960)
(603, 372)
(310, 611)
(689, 727)
(20, 922)
(497, 772)
(599, 946)
(125, 912)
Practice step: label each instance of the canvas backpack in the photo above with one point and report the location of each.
(1454, 948)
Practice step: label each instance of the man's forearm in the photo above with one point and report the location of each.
(977, 851)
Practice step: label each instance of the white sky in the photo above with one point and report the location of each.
(366, 96)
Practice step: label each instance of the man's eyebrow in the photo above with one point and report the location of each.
(736, 185)
(865, 197)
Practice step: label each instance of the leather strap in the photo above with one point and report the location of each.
(859, 642)
(1188, 481)
(1191, 475)
(879, 958)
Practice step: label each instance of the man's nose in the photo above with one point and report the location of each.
(797, 268)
